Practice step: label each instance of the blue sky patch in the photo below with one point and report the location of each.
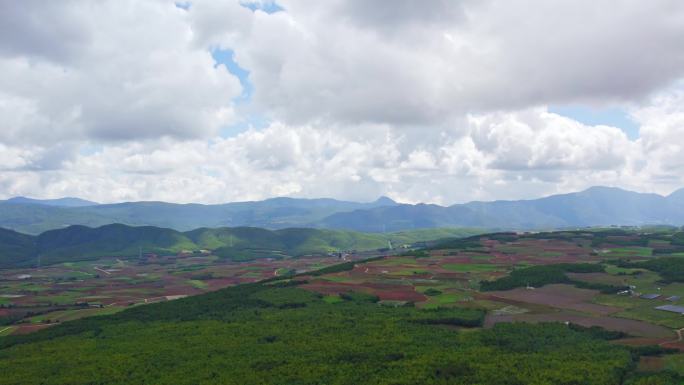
(264, 5)
(226, 57)
(253, 121)
(183, 5)
(608, 116)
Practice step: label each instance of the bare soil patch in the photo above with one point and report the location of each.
(559, 296)
(631, 327)
(598, 278)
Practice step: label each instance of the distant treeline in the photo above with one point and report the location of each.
(537, 276)
(671, 269)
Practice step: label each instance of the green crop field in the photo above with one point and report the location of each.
(647, 313)
(471, 267)
(197, 284)
(631, 252)
(445, 299)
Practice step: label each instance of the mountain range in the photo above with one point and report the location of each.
(596, 206)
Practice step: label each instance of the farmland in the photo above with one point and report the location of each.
(563, 277)
(32, 299)
(601, 282)
(79, 271)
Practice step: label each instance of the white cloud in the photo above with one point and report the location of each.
(314, 161)
(418, 63)
(535, 139)
(435, 102)
(111, 71)
(662, 137)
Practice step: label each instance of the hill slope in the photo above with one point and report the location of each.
(238, 243)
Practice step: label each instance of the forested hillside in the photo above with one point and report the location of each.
(239, 243)
(278, 333)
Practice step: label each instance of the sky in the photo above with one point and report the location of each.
(419, 100)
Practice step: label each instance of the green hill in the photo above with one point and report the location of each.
(238, 243)
(15, 246)
(83, 242)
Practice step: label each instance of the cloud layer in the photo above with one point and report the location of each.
(423, 101)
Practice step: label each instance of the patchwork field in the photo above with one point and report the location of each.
(31, 299)
(451, 275)
(612, 279)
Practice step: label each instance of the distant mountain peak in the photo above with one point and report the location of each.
(385, 201)
(603, 189)
(62, 202)
(677, 194)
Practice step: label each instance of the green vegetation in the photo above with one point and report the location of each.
(416, 254)
(444, 300)
(537, 276)
(435, 234)
(470, 243)
(13, 246)
(76, 243)
(197, 284)
(403, 320)
(675, 362)
(432, 292)
(471, 267)
(332, 299)
(646, 312)
(275, 333)
(70, 315)
(671, 269)
(341, 267)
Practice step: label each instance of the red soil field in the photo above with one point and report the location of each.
(30, 328)
(383, 291)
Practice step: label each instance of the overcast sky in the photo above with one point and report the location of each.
(422, 101)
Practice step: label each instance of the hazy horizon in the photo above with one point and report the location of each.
(323, 197)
